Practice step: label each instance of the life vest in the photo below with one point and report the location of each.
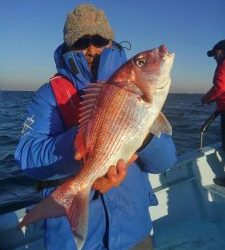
(67, 99)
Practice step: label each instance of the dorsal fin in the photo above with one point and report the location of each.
(87, 108)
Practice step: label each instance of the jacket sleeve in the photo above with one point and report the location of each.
(158, 155)
(45, 149)
(219, 84)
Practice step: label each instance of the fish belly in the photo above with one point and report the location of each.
(116, 130)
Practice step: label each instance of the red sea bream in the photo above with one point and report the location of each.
(115, 119)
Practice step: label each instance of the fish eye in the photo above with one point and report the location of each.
(140, 62)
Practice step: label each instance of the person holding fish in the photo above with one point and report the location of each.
(93, 133)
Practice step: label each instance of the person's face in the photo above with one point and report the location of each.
(219, 55)
(92, 47)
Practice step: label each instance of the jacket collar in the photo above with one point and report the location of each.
(74, 66)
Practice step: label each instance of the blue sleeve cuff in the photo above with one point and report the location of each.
(158, 155)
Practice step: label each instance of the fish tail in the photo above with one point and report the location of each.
(72, 203)
(78, 216)
(47, 208)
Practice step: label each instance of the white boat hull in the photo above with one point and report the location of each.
(190, 214)
(191, 210)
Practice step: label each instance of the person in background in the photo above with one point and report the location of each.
(119, 216)
(217, 92)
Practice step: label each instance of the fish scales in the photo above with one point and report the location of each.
(108, 126)
(116, 122)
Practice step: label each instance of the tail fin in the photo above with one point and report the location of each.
(47, 208)
(78, 216)
(64, 201)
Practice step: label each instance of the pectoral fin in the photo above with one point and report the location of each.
(161, 125)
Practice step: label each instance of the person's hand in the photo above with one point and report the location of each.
(114, 176)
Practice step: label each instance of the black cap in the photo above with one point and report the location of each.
(219, 45)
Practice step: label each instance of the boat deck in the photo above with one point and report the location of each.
(191, 210)
(190, 214)
(194, 235)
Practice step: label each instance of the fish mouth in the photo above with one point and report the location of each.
(167, 59)
(164, 53)
(164, 85)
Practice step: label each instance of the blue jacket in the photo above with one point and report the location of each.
(118, 219)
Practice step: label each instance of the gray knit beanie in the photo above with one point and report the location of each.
(86, 20)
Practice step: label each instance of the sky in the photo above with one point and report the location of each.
(31, 30)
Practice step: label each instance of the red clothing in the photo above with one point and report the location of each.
(217, 92)
(67, 99)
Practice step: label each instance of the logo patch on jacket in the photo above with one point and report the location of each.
(27, 126)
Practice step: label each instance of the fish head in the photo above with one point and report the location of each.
(146, 73)
(152, 72)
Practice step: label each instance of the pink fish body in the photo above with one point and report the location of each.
(116, 117)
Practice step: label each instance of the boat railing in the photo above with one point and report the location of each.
(206, 125)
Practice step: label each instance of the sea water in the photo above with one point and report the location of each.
(182, 110)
